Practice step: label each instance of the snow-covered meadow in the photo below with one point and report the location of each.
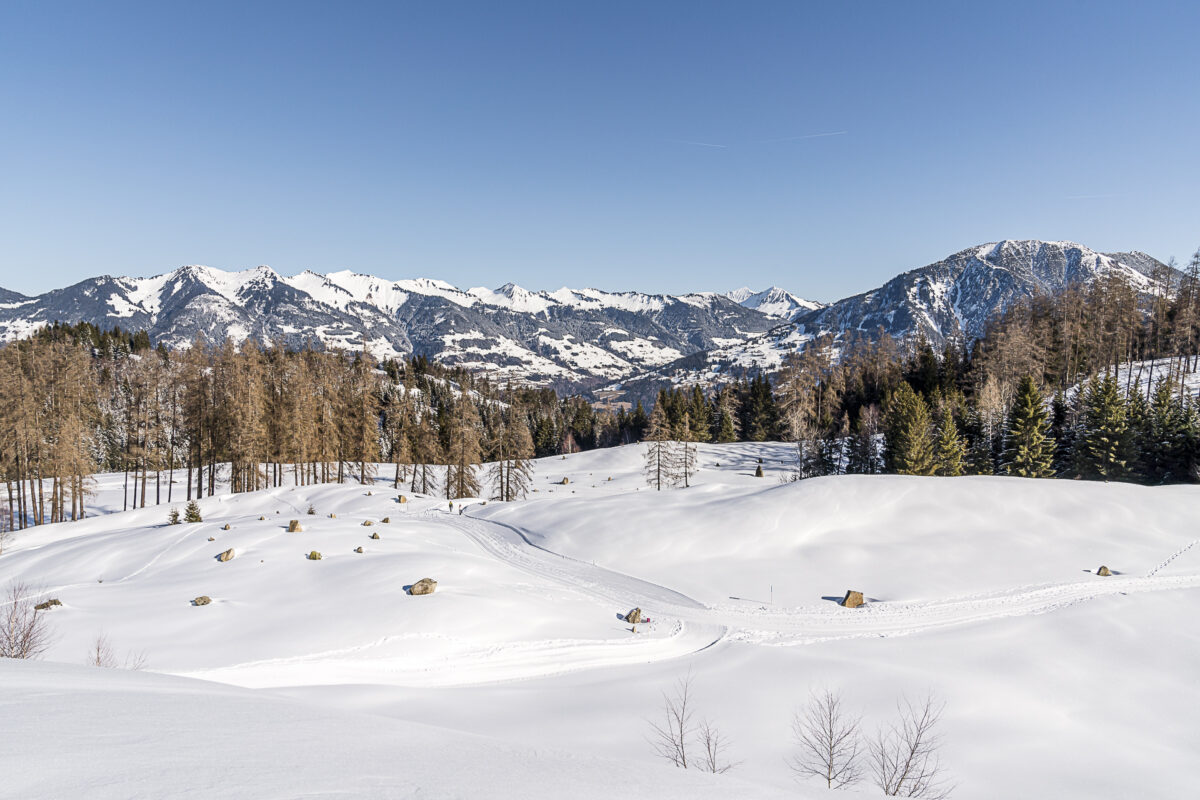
(518, 677)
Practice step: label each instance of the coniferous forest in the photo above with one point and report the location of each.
(1046, 392)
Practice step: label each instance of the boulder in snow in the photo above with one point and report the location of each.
(49, 604)
(423, 586)
(202, 600)
(853, 599)
(314, 556)
(634, 616)
(294, 526)
(367, 523)
(1104, 572)
(226, 527)
(358, 549)
(226, 556)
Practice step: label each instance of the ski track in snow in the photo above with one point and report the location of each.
(682, 625)
(809, 624)
(695, 627)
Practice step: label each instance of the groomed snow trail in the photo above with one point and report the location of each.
(765, 625)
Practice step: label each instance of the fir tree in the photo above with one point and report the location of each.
(949, 449)
(173, 517)
(192, 512)
(1029, 450)
(1103, 450)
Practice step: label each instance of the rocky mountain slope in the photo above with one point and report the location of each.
(952, 297)
(570, 338)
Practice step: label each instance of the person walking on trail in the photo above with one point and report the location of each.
(451, 507)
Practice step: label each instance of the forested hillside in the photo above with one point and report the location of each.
(1042, 393)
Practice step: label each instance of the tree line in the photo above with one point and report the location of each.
(75, 400)
(1047, 391)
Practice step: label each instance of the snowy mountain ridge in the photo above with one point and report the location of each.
(952, 297)
(568, 338)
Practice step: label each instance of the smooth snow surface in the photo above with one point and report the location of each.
(1057, 683)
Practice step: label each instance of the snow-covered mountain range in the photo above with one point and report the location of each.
(578, 338)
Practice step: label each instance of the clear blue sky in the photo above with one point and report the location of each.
(568, 143)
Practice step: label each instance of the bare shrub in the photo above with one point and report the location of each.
(904, 757)
(828, 741)
(102, 654)
(23, 629)
(670, 737)
(713, 747)
(677, 737)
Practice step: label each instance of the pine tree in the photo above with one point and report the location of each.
(1103, 451)
(908, 439)
(192, 512)
(173, 517)
(1029, 449)
(949, 449)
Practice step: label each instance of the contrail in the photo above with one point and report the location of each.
(699, 144)
(806, 136)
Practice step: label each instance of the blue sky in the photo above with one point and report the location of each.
(656, 146)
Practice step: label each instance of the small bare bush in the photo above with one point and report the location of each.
(102, 654)
(23, 629)
(828, 741)
(904, 756)
(677, 737)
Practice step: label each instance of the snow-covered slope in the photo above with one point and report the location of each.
(1057, 682)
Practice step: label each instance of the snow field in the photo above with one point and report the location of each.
(1057, 683)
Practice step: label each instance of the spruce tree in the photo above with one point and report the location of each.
(908, 436)
(1141, 436)
(173, 517)
(1167, 460)
(1102, 451)
(192, 512)
(1028, 448)
(949, 450)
